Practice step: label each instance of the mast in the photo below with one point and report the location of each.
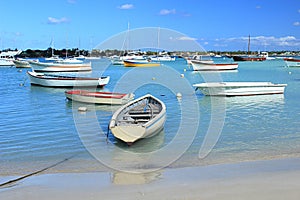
(249, 45)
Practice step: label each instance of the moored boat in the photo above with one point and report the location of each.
(51, 80)
(248, 58)
(141, 63)
(210, 66)
(85, 96)
(292, 62)
(21, 63)
(7, 57)
(59, 66)
(141, 118)
(240, 88)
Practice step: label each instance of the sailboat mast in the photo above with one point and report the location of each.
(249, 45)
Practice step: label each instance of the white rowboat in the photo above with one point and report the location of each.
(141, 118)
(51, 80)
(210, 66)
(59, 66)
(240, 88)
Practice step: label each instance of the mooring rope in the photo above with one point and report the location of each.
(33, 173)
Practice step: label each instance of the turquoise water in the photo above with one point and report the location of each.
(39, 127)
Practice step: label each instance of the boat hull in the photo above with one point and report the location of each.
(107, 98)
(21, 64)
(240, 88)
(291, 62)
(65, 81)
(135, 63)
(6, 62)
(248, 58)
(60, 67)
(136, 130)
(208, 66)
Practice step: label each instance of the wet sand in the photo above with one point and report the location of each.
(273, 179)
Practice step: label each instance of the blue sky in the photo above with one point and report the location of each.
(216, 25)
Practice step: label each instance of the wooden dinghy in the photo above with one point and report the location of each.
(141, 118)
(112, 98)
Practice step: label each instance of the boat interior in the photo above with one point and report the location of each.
(140, 113)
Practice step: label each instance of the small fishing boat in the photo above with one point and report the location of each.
(163, 56)
(141, 118)
(52, 80)
(21, 63)
(60, 66)
(141, 63)
(292, 62)
(248, 58)
(98, 97)
(211, 66)
(240, 88)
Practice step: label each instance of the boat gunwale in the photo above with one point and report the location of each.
(105, 95)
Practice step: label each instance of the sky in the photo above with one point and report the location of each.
(216, 25)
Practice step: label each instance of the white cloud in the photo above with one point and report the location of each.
(258, 7)
(286, 41)
(296, 23)
(126, 6)
(185, 38)
(52, 20)
(167, 12)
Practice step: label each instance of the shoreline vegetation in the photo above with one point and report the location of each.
(37, 53)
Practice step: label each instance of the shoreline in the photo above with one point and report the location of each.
(265, 179)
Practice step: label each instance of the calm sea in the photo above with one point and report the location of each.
(39, 127)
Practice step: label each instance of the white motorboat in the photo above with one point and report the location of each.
(199, 65)
(141, 118)
(240, 88)
(163, 56)
(7, 57)
(52, 80)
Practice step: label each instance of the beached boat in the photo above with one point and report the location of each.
(51, 80)
(141, 118)
(98, 97)
(210, 66)
(292, 62)
(240, 88)
(59, 66)
(21, 63)
(141, 63)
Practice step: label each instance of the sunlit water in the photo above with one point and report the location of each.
(39, 127)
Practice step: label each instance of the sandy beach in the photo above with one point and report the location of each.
(272, 179)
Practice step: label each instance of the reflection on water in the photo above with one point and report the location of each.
(256, 100)
(123, 178)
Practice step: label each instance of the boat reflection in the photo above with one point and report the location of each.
(124, 178)
(92, 107)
